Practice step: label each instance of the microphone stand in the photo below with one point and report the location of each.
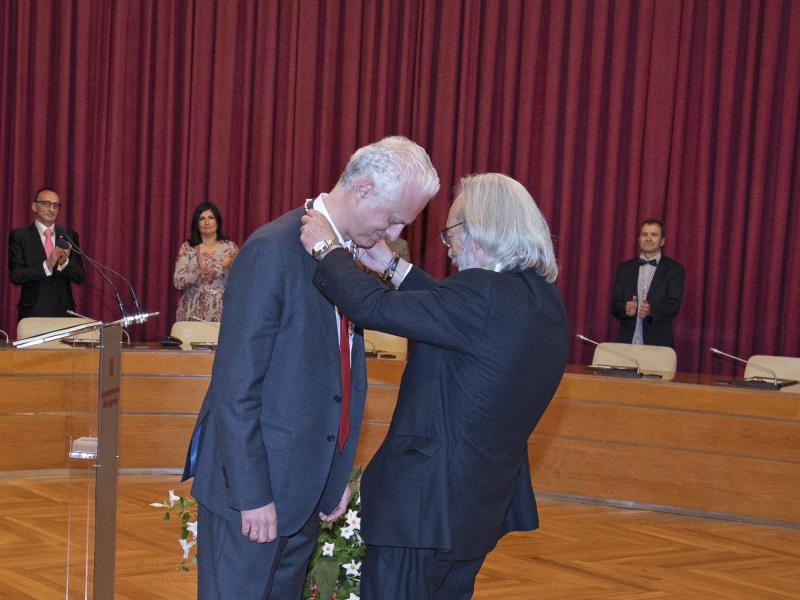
(97, 268)
(139, 317)
(751, 381)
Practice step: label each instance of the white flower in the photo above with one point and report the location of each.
(185, 545)
(353, 520)
(353, 597)
(327, 549)
(173, 498)
(352, 568)
(346, 532)
(192, 527)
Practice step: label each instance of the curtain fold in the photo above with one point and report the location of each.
(608, 111)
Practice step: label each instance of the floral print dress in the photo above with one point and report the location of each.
(202, 288)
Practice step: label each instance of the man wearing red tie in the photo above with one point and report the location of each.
(275, 439)
(648, 291)
(41, 264)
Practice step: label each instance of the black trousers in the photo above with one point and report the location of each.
(229, 566)
(390, 573)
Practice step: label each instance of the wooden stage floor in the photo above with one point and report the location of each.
(581, 552)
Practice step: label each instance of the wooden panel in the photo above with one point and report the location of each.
(692, 430)
(154, 441)
(677, 394)
(29, 442)
(371, 436)
(720, 483)
(167, 362)
(380, 402)
(163, 394)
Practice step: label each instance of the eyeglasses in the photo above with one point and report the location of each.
(46, 204)
(445, 237)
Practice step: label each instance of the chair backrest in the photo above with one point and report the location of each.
(385, 343)
(785, 367)
(31, 326)
(195, 331)
(659, 359)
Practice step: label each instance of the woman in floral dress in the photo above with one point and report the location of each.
(202, 266)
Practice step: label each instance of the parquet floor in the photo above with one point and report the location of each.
(581, 552)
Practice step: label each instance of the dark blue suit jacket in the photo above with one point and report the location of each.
(490, 350)
(267, 428)
(41, 296)
(665, 295)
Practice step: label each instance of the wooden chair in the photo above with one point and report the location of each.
(203, 332)
(784, 367)
(31, 326)
(651, 359)
(385, 343)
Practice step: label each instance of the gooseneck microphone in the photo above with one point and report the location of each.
(772, 373)
(63, 238)
(637, 373)
(65, 242)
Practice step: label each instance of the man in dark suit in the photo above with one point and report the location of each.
(648, 291)
(42, 263)
(489, 349)
(275, 439)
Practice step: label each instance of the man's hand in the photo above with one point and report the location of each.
(376, 258)
(57, 256)
(315, 228)
(644, 309)
(260, 524)
(340, 508)
(631, 306)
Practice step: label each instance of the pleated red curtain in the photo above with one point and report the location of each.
(608, 111)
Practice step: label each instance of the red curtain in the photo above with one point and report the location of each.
(608, 111)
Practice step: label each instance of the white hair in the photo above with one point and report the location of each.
(502, 218)
(392, 163)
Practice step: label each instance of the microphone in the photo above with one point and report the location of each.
(7, 342)
(65, 239)
(772, 373)
(614, 370)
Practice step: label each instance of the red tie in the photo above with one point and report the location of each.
(48, 242)
(344, 366)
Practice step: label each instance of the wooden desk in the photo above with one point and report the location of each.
(45, 396)
(683, 443)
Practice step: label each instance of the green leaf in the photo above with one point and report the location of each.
(166, 516)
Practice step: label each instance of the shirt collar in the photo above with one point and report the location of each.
(41, 227)
(657, 257)
(319, 205)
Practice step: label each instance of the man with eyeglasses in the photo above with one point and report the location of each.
(490, 345)
(40, 261)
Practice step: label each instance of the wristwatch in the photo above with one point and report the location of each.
(321, 247)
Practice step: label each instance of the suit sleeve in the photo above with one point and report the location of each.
(21, 272)
(251, 317)
(664, 309)
(618, 298)
(449, 314)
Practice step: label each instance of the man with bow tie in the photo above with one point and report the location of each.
(648, 291)
(41, 264)
(275, 439)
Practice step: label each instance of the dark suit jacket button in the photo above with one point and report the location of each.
(331, 438)
(337, 398)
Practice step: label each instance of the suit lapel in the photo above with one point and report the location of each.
(36, 243)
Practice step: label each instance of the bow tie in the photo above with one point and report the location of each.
(652, 261)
